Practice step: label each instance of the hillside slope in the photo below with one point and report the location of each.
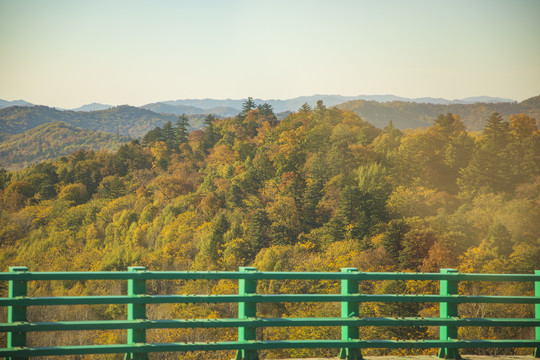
(408, 115)
(124, 120)
(51, 141)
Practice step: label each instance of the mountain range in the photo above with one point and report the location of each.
(93, 107)
(134, 122)
(5, 103)
(329, 100)
(164, 108)
(137, 121)
(231, 107)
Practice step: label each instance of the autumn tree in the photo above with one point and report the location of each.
(74, 193)
(387, 143)
(17, 193)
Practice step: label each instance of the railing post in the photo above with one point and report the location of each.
(537, 313)
(448, 310)
(247, 310)
(136, 312)
(349, 309)
(17, 288)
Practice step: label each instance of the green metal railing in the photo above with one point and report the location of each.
(247, 322)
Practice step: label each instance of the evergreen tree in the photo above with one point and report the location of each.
(221, 226)
(248, 105)
(314, 190)
(4, 178)
(449, 125)
(349, 201)
(46, 179)
(500, 240)
(312, 196)
(320, 106)
(168, 135)
(491, 165)
(305, 108)
(392, 239)
(153, 136)
(210, 135)
(266, 110)
(496, 131)
(181, 129)
(234, 196)
(257, 230)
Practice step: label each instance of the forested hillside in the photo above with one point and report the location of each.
(411, 115)
(136, 122)
(51, 141)
(321, 190)
(123, 120)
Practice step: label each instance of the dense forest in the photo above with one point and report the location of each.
(320, 190)
(51, 141)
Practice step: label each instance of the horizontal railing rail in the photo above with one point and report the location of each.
(260, 275)
(247, 322)
(290, 298)
(264, 322)
(264, 345)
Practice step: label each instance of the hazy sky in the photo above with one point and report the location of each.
(69, 53)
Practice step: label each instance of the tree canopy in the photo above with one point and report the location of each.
(318, 191)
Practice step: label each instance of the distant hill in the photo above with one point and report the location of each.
(223, 111)
(93, 107)
(483, 99)
(206, 103)
(277, 105)
(409, 115)
(231, 107)
(51, 141)
(164, 108)
(377, 109)
(5, 103)
(123, 120)
(329, 100)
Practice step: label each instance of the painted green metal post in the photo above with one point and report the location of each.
(349, 309)
(247, 310)
(448, 310)
(537, 313)
(136, 312)
(17, 288)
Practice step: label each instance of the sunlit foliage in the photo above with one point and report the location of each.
(318, 191)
